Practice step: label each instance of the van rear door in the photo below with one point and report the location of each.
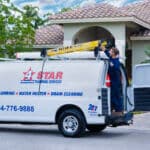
(141, 87)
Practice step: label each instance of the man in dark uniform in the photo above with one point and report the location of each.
(115, 78)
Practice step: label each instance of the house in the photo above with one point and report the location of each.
(128, 27)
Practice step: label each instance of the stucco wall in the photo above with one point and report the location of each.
(116, 29)
(138, 48)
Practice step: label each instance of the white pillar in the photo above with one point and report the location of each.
(69, 32)
(120, 44)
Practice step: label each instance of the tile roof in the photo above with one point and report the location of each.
(49, 35)
(145, 33)
(140, 10)
(94, 11)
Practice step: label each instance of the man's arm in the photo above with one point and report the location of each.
(107, 53)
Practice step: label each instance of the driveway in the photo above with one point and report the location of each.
(45, 137)
(141, 122)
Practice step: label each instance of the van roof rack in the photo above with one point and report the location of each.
(78, 51)
(84, 55)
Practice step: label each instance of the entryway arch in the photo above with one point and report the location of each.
(92, 33)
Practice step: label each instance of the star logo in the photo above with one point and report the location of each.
(28, 75)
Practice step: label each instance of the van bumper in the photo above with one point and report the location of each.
(115, 121)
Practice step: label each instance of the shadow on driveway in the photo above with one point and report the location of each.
(48, 130)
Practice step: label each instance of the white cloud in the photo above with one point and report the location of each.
(36, 3)
(87, 2)
(43, 12)
(116, 3)
(45, 2)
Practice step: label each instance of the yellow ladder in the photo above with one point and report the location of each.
(89, 46)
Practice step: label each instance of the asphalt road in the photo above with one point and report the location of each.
(22, 137)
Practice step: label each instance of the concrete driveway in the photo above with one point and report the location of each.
(142, 121)
(45, 137)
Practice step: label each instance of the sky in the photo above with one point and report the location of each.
(53, 6)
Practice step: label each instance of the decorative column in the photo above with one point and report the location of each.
(69, 31)
(120, 44)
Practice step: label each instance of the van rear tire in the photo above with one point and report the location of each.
(96, 128)
(71, 123)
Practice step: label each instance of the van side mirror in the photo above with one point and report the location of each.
(43, 52)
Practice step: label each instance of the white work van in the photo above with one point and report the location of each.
(71, 93)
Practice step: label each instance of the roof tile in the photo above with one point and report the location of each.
(140, 10)
(144, 33)
(49, 35)
(96, 11)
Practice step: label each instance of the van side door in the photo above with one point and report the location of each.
(141, 87)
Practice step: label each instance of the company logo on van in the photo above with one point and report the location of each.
(28, 75)
(92, 109)
(47, 77)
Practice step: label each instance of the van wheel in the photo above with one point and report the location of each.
(71, 123)
(96, 128)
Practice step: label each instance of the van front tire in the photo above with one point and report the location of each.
(71, 123)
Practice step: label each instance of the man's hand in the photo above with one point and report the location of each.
(103, 48)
